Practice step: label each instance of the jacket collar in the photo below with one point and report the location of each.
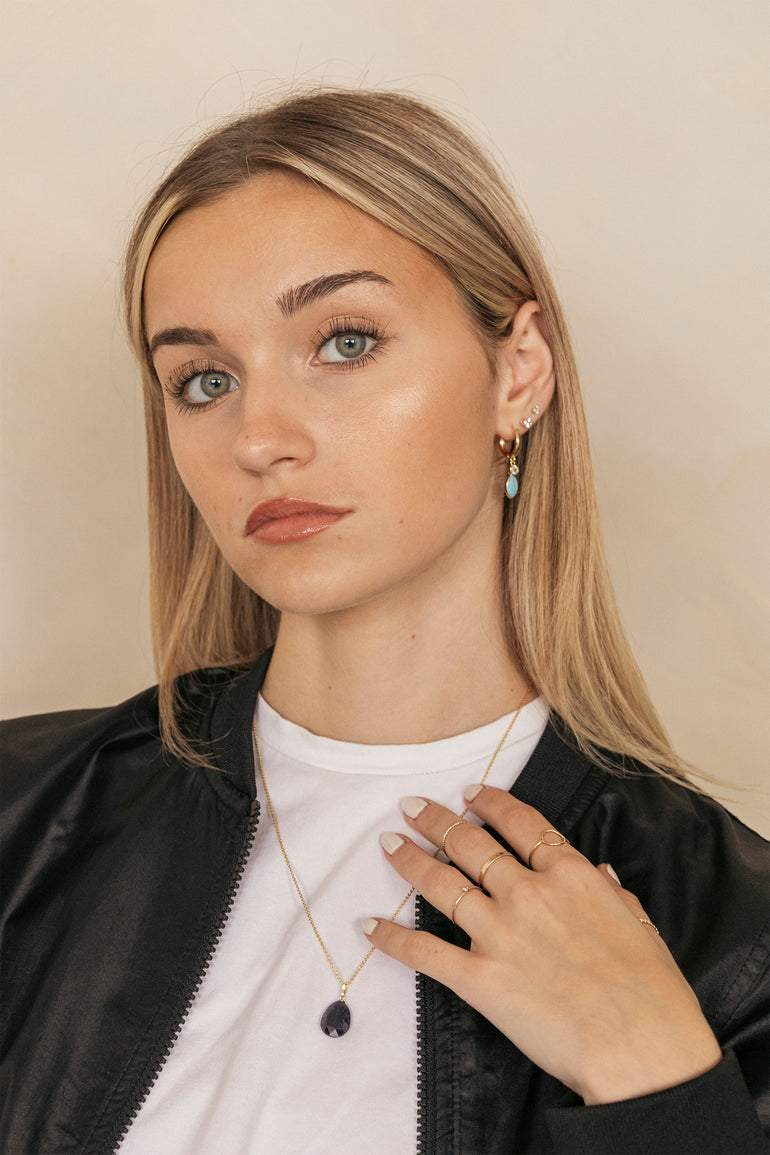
(555, 775)
(229, 734)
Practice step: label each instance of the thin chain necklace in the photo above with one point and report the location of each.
(335, 1021)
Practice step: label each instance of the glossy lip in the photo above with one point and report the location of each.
(290, 519)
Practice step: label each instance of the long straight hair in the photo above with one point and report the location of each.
(416, 171)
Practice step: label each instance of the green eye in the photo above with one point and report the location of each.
(208, 386)
(350, 346)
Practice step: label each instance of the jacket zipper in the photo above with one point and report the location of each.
(128, 1117)
(426, 1054)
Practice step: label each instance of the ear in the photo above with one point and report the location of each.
(525, 373)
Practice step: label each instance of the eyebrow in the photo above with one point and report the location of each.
(182, 335)
(289, 302)
(301, 296)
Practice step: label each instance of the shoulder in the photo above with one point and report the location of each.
(52, 754)
(662, 822)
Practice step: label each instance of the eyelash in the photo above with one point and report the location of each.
(184, 374)
(342, 325)
(181, 378)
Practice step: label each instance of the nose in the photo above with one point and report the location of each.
(273, 433)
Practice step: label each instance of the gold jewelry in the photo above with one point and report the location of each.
(512, 483)
(647, 922)
(492, 858)
(465, 891)
(543, 841)
(335, 1021)
(459, 822)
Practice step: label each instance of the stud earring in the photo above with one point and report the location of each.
(512, 482)
(527, 422)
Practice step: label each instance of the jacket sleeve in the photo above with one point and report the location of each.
(709, 1115)
(726, 1108)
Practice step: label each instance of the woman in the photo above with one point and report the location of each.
(350, 347)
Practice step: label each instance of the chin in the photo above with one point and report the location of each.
(311, 591)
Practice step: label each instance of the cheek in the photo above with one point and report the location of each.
(196, 461)
(442, 434)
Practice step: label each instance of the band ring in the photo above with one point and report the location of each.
(460, 822)
(543, 841)
(647, 922)
(492, 858)
(465, 891)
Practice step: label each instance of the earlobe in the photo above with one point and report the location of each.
(525, 372)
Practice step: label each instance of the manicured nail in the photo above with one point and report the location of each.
(369, 924)
(612, 873)
(413, 806)
(391, 842)
(472, 791)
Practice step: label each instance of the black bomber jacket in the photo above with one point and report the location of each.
(120, 867)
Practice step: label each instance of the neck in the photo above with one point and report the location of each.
(434, 669)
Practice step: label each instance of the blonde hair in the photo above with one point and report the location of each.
(417, 172)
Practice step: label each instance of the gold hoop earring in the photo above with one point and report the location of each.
(512, 481)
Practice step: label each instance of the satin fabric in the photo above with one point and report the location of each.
(120, 865)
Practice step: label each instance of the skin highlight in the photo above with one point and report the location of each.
(421, 417)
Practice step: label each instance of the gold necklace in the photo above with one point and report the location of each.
(335, 1021)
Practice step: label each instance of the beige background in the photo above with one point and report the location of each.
(633, 131)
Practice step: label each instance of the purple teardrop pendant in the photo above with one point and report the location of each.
(335, 1021)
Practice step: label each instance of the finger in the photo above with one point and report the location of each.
(448, 964)
(465, 843)
(605, 869)
(630, 901)
(528, 831)
(441, 885)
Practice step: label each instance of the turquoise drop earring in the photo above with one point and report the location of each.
(512, 481)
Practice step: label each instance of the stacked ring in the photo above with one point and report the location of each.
(460, 822)
(543, 841)
(647, 922)
(492, 858)
(465, 891)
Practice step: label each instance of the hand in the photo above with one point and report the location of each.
(559, 961)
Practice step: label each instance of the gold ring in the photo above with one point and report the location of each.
(492, 858)
(543, 841)
(460, 822)
(647, 922)
(465, 890)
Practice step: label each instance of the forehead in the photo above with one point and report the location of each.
(276, 231)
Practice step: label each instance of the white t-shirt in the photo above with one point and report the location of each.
(251, 1071)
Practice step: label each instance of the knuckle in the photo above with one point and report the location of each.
(434, 876)
(420, 949)
(465, 838)
(528, 894)
(573, 870)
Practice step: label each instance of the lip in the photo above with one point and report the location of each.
(291, 519)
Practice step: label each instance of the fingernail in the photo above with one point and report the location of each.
(413, 806)
(612, 873)
(369, 924)
(391, 842)
(472, 791)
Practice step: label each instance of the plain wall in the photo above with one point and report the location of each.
(633, 132)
